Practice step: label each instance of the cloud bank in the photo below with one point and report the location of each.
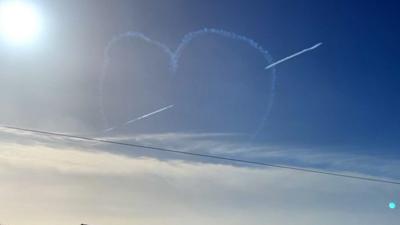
(44, 184)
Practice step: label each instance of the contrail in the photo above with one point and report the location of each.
(149, 114)
(140, 118)
(292, 56)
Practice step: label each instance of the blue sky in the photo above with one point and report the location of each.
(334, 108)
(343, 94)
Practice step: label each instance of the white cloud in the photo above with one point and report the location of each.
(231, 145)
(45, 185)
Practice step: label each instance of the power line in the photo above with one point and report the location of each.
(201, 155)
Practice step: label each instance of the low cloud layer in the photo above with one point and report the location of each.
(64, 185)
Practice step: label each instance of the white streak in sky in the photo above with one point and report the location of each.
(149, 114)
(140, 118)
(294, 55)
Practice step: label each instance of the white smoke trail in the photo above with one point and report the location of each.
(196, 34)
(293, 55)
(149, 114)
(175, 55)
(139, 118)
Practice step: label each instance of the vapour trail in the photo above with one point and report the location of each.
(175, 55)
(149, 114)
(293, 55)
(139, 118)
(189, 37)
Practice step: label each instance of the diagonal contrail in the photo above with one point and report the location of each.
(139, 118)
(292, 56)
(149, 114)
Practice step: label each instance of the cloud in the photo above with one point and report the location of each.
(232, 145)
(65, 185)
(229, 145)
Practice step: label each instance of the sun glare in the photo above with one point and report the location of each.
(20, 22)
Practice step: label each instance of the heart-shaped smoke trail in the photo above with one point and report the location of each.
(175, 55)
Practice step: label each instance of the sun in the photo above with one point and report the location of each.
(20, 22)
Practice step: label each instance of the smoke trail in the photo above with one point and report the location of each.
(293, 55)
(196, 34)
(110, 45)
(149, 114)
(175, 55)
(139, 118)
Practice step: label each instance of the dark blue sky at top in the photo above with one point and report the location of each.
(344, 95)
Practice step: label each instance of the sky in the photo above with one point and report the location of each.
(98, 64)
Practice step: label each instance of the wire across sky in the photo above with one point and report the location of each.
(209, 156)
